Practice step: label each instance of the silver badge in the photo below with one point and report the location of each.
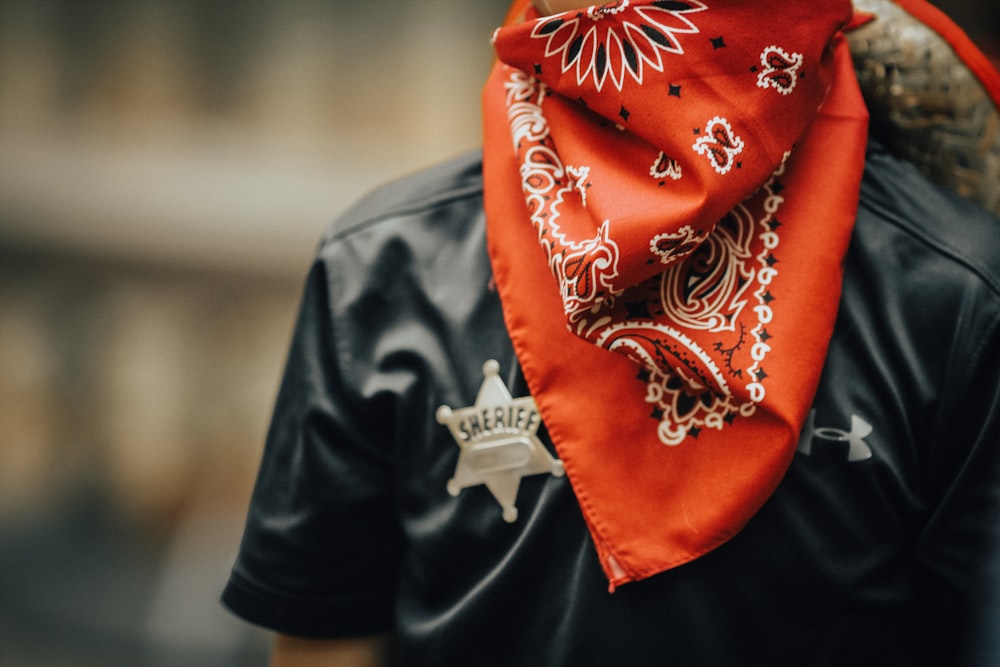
(498, 442)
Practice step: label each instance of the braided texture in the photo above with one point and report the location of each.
(925, 105)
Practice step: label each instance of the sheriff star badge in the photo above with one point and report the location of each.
(498, 440)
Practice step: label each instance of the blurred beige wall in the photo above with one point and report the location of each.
(152, 150)
(166, 168)
(221, 132)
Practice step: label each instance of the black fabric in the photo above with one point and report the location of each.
(888, 559)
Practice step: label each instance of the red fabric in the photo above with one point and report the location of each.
(638, 153)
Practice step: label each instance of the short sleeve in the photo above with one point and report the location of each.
(322, 541)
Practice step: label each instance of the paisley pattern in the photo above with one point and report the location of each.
(720, 145)
(780, 69)
(671, 246)
(668, 273)
(720, 288)
(691, 305)
(665, 167)
(704, 286)
(585, 269)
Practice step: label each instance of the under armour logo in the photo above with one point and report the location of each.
(858, 449)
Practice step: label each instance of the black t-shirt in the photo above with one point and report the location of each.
(881, 546)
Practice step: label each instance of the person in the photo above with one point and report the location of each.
(686, 367)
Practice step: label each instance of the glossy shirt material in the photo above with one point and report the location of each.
(892, 558)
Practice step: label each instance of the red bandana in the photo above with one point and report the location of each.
(688, 172)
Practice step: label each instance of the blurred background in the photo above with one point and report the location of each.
(166, 167)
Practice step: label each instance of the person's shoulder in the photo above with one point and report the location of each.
(454, 183)
(903, 204)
